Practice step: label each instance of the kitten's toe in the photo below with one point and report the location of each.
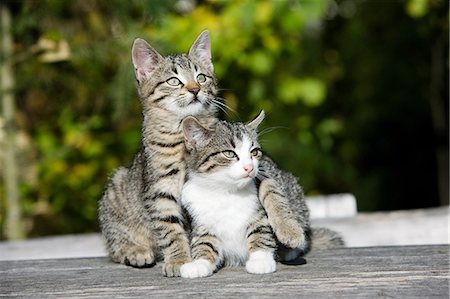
(197, 268)
(139, 257)
(172, 268)
(261, 262)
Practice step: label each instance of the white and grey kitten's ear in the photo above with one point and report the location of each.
(145, 59)
(195, 135)
(253, 124)
(201, 49)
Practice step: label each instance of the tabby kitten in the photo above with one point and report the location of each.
(229, 224)
(140, 213)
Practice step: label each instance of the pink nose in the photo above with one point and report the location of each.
(248, 168)
(194, 90)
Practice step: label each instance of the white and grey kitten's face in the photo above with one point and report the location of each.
(243, 162)
(183, 84)
(229, 155)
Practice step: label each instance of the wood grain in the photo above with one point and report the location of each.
(386, 272)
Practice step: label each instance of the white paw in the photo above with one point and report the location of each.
(197, 268)
(261, 262)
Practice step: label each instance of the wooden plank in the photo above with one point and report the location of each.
(408, 272)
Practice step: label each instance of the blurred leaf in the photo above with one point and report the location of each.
(309, 90)
(260, 62)
(417, 8)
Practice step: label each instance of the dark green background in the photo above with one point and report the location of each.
(356, 95)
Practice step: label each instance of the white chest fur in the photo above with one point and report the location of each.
(226, 214)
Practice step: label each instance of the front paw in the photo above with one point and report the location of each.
(290, 234)
(197, 268)
(171, 268)
(261, 262)
(138, 257)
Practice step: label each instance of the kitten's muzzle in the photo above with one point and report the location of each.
(249, 171)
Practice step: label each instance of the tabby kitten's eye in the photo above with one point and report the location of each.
(256, 153)
(229, 154)
(173, 81)
(201, 78)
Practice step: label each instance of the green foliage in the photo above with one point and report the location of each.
(335, 78)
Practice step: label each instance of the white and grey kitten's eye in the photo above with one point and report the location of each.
(229, 154)
(201, 78)
(256, 153)
(173, 81)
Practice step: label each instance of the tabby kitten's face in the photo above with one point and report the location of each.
(183, 84)
(229, 155)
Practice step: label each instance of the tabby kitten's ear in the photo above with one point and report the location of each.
(195, 135)
(145, 59)
(253, 124)
(201, 49)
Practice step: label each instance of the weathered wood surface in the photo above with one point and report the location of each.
(386, 272)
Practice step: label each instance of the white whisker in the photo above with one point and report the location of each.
(224, 89)
(222, 106)
(271, 129)
(218, 105)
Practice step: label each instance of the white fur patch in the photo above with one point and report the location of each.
(197, 268)
(225, 214)
(261, 262)
(237, 169)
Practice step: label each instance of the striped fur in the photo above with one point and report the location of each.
(140, 212)
(283, 200)
(229, 224)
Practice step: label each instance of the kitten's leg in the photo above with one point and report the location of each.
(171, 236)
(281, 218)
(131, 252)
(261, 244)
(205, 254)
(127, 237)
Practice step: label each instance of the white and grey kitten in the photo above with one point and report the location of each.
(229, 224)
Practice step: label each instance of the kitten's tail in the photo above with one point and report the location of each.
(324, 238)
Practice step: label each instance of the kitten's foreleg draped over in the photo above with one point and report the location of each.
(281, 218)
